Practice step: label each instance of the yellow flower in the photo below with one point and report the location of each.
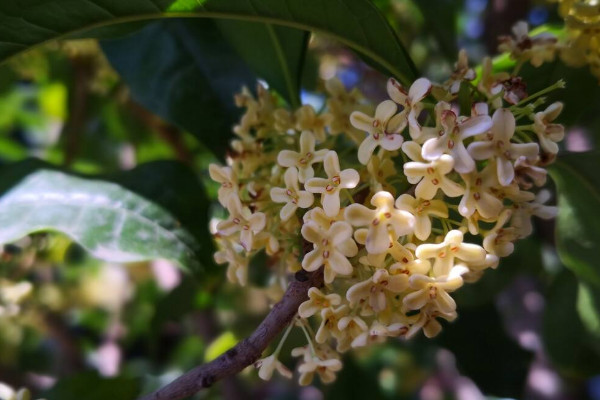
(431, 176)
(377, 290)
(422, 210)
(331, 247)
(317, 301)
(307, 119)
(242, 220)
(336, 180)
(446, 253)
(292, 196)
(383, 129)
(304, 159)
(434, 291)
(320, 364)
(385, 222)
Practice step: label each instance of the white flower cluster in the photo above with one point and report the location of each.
(423, 201)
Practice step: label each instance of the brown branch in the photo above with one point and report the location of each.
(248, 350)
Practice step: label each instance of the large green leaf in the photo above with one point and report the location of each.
(569, 345)
(155, 211)
(275, 53)
(184, 71)
(578, 225)
(356, 23)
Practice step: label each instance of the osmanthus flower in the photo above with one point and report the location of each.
(304, 159)
(431, 176)
(522, 213)
(499, 240)
(228, 180)
(331, 249)
(451, 136)
(340, 105)
(377, 289)
(308, 119)
(410, 101)
(549, 133)
(318, 301)
(316, 364)
(446, 254)
(242, 220)
(478, 195)
(422, 210)
(434, 291)
(324, 221)
(501, 148)
(291, 195)
(384, 222)
(350, 326)
(379, 169)
(237, 262)
(427, 321)
(462, 72)
(490, 83)
(383, 129)
(266, 366)
(336, 180)
(329, 323)
(378, 332)
(523, 47)
(429, 132)
(528, 174)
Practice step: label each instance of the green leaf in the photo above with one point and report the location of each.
(578, 223)
(157, 210)
(184, 71)
(356, 23)
(90, 386)
(440, 19)
(567, 342)
(588, 307)
(275, 53)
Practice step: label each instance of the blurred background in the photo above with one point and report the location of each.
(102, 107)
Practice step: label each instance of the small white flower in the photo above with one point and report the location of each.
(434, 291)
(226, 177)
(451, 249)
(450, 141)
(304, 159)
(266, 366)
(478, 193)
(242, 220)
(501, 148)
(316, 302)
(385, 222)
(330, 187)
(547, 132)
(383, 129)
(292, 196)
(422, 210)
(410, 101)
(432, 176)
(331, 249)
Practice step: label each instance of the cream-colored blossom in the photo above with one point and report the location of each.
(522, 213)
(451, 136)
(461, 73)
(379, 169)
(336, 180)
(377, 290)
(384, 222)
(501, 148)
(431, 176)
(427, 321)
(308, 120)
(523, 47)
(383, 129)
(242, 220)
(291, 195)
(429, 132)
(331, 249)
(316, 364)
(434, 291)
(350, 326)
(422, 210)
(528, 174)
(446, 254)
(228, 180)
(378, 332)
(304, 159)
(317, 301)
(329, 323)
(549, 133)
(491, 83)
(499, 240)
(236, 260)
(478, 194)
(410, 101)
(266, 366)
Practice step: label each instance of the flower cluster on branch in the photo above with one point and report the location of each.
(401, 204)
